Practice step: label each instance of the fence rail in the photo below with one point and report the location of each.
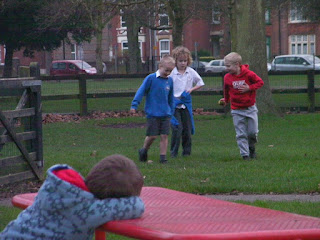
(84, 88)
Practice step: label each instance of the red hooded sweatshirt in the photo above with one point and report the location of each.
(232, 82)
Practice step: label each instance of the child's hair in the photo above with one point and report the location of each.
(182, 51)
(234, 57)
(166, 59)
(114, 177)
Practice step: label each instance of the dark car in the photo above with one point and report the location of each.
(71, 67)
(198, 66)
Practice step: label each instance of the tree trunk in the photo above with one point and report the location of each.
(249, 40)
(135, 64)
(99, 33)
(7, 71)
(176, 16)
(98, 36)
(177, 33)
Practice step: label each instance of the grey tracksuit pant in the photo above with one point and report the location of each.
(246, 125)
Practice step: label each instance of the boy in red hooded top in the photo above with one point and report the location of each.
(240, 85)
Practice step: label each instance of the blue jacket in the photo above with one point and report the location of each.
(63, 211)
(185, 99)
(159, 96)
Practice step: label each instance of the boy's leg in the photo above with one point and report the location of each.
(240, 125)
(163, 144)
(176, 134)
(164, 132)
(186, 132)
(152, 132)
(252, 130)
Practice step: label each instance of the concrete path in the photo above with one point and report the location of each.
(269, 197)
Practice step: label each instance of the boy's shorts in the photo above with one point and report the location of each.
(158, 126)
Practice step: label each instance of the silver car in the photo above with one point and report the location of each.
(299, 62)
(215, 66)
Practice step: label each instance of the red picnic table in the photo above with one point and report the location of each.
(177, 215)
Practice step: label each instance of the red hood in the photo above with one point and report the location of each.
(244, 69)
(71, 176)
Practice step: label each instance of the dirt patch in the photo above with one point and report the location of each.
(126, 125)
(12, 189)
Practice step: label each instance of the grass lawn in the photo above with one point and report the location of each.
(288, 156)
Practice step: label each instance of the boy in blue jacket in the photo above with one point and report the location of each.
(70, 207)
(159, 107)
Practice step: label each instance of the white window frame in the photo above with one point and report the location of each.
(216, 15)
(123, 23)
(159, 22)
(123, 47)
(295, 16)
(302, 44)
(163, 15)
(163, 51)
(73, 49)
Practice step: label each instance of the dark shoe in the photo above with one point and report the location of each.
(143, 155)
(245, 158)
(172, 155)
(165, 161)
(252, 151)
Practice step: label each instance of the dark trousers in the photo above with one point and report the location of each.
(181, 132)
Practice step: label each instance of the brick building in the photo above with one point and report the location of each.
(286, 33)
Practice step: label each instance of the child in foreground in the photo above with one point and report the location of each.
(70, 207)
(159, 107)
(185, 81)
(240, 86)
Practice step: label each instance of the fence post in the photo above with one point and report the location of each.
(83, 95)
(311, 91)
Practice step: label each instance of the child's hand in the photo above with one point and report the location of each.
(222, 102)
(244, 88)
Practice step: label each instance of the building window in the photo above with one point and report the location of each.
(216, 16)
(124, 46)
(164, 47)
(302, 44)
(267, 17)
(73, 51)
(163, 20)
(123, 23)
(295, 16)
(268, 46)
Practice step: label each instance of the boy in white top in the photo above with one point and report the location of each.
(185, 81)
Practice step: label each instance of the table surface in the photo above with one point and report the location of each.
(177, 215)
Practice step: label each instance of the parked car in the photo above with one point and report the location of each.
(198, 66)
(215, 66)
(71, 67)
(296, 62)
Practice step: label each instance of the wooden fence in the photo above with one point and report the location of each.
(21, 129)
(83, 96)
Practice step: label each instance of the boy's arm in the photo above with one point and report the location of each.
(171, 99)
(197, 80)
(256, 82)
(102, 211)
(226, 95)
(140, 93)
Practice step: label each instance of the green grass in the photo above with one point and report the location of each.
(288, 156)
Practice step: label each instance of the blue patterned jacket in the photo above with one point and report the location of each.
(62, 211)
